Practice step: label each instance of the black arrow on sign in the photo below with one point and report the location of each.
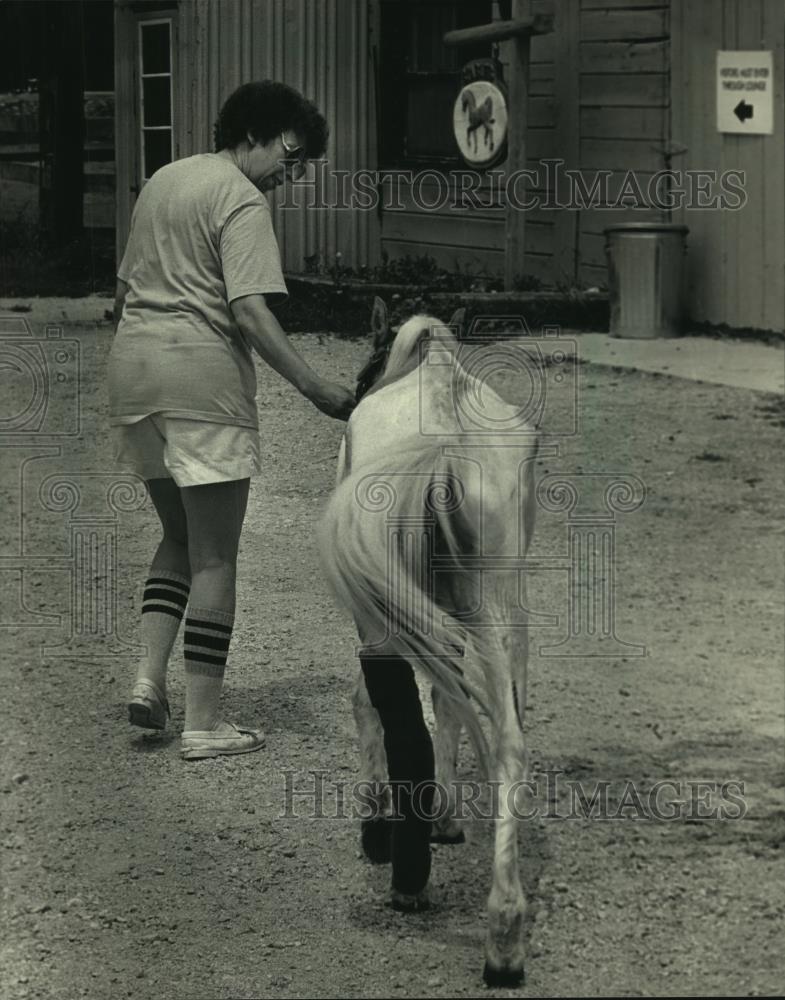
(743, 110)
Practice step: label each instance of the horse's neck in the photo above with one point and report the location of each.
(401, 414)
(390, 377)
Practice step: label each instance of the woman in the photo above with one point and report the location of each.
(193, 292)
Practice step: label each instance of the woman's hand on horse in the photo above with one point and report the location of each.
(333, 399)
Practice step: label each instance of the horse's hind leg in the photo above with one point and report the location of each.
(506, 902)
(459, 593)
(446, 828)
(376, 828)
(393, 692)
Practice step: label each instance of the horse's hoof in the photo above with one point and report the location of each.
(448, 838)
(502, 978)
(376, 840)
(405, 903)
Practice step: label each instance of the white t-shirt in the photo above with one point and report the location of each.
(201, 236)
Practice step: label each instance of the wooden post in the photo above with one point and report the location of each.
(61, 116)
(518, 90)
(518, 30)
(566, 64)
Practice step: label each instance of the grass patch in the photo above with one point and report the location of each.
(31, 265)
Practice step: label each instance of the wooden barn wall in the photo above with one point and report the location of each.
(472, 239)
(736, 259)
(623, 62)
(323, 50)
(616, 82)
(598, 99)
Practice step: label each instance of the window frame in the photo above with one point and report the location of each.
(141, 77)
(394, 72)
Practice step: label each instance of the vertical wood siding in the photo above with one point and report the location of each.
(125, 128)
(472, 239)
(614, 83)
(598, 99)
(323, 50)
(623, 65)
(736, 259)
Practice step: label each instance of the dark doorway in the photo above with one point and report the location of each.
(56, 135)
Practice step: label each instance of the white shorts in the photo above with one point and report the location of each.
(192, 452)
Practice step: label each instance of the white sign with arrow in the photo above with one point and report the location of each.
(744, 93)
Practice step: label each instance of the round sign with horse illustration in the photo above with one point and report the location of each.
(479, 121)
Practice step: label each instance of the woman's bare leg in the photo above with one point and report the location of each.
(215, 515)
(166, 590)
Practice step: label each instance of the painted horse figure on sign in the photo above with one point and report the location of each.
(432, 486)
(478, 115)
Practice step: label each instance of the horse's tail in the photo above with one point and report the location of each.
(377, 565)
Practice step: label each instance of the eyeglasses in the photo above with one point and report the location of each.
(294, 159)
(289, 150)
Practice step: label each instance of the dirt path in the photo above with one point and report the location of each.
(126, 872)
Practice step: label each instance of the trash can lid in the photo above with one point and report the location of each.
(647, 227)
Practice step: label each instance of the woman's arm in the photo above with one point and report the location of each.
(259, 325)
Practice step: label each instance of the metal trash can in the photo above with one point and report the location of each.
(646, 278)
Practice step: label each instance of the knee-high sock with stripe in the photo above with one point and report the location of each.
(163, 606)
(207, 636)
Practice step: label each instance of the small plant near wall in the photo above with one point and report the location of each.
(573, 291)
(332, 295)
(528, 283)
(421, 271)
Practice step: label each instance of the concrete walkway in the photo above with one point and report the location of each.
(746, 364)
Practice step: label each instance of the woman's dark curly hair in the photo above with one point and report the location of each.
(265, 109)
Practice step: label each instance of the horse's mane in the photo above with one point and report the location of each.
(405, 348)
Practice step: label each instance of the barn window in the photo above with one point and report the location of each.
(155, 94)
(419, 78)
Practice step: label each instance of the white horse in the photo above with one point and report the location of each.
(420, 500)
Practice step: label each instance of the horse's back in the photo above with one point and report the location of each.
(429, 408)
(430, 425)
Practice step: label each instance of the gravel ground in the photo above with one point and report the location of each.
(127, 872)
